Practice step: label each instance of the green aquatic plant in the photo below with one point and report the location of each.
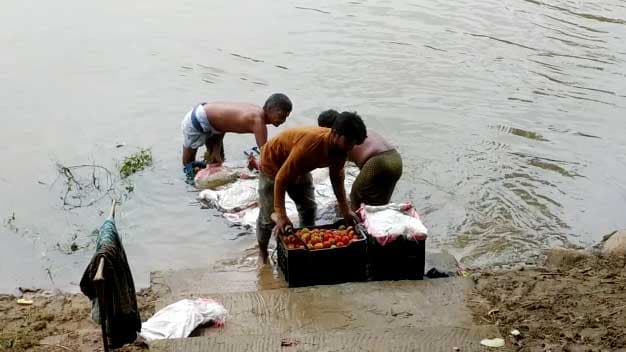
(87, 184)
(135, 162)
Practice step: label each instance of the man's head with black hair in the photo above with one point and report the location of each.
(327, 118)
(348, 128)
(276, 108)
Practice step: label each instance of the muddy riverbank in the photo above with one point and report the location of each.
(574, 301)
(57, 322)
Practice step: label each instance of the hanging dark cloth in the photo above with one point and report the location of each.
(119, 297)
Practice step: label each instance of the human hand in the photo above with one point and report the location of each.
(283, 224)
(252, 163)
(351, 218)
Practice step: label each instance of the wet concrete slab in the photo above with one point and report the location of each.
(231, 277)
(205, 280)
(382, 306)
(434, 339)
(265, 315)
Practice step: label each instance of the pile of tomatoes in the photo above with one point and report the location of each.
(320, 238)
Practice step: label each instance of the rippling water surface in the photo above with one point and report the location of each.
(509, 116)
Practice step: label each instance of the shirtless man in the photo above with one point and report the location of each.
(207, 123)
(379, 162)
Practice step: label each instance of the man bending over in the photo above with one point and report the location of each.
(286, 162)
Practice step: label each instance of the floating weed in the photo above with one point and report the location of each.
(135, 163)
(87, 184)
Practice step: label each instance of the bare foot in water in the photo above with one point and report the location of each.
(264, 257)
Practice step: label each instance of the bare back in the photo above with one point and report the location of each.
(234, 117)
(373, 145)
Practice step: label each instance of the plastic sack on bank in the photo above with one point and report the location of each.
(387, 222)
(179, 319)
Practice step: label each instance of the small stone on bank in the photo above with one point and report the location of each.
(497, 342)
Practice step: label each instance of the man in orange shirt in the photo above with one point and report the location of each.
(286, 162)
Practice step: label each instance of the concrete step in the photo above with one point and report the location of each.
(243, 275)
(431, 339)
(373, 306)
(264, 315)
(189, 281)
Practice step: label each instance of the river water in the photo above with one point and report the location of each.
(507, 115)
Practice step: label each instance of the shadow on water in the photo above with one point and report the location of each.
(579, 14)
(546, 165)
(520, 133)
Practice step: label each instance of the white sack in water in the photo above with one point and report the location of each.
(241, 196)
(238, 200)
(214, 176)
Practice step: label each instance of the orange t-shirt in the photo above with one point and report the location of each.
(296, 151)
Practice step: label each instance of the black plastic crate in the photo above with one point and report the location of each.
(303, 267)
(402, 259)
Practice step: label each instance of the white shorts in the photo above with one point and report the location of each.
(192, 137)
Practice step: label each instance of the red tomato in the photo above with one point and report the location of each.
(339, 244)
(326, 244)
(345, 239)
(318, 245)
(332, 241)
